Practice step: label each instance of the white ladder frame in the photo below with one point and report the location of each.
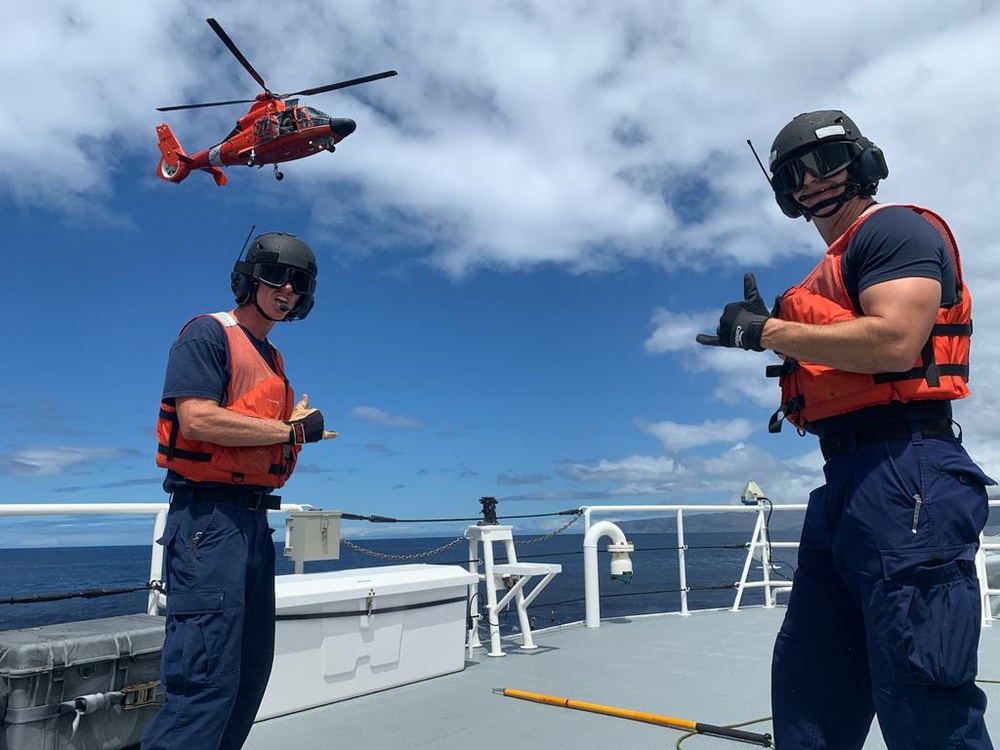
(521, 572)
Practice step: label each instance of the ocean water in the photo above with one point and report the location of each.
(714, 563)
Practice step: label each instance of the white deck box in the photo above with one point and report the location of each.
(354, 632)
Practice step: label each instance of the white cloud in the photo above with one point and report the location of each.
(584, 134)
(693, 478)
(517, 135)
(680, 437)
(675, 332)
(371, 414)
(46, 462)
(633, 468)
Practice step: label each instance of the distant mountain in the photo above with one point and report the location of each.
(786, 524)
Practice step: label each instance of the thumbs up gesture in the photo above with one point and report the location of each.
(742, 323)
(307, 424)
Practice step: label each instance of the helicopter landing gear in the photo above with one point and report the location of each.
(278, 175)
(331, 148)
(252, 159)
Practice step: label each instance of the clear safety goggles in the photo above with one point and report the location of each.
(823, 161)
(276, 275)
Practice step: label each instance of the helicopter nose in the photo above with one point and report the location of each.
(342, 127)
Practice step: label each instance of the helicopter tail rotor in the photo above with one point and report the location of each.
(174, 164)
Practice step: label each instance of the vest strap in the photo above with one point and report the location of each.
(785, 368)
(952, 329)
(171, 452)
(916, 373)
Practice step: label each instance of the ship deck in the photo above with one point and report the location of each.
(710, 667)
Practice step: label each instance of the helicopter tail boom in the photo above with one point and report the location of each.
(174, 164)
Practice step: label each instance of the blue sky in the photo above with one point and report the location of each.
(516, 247)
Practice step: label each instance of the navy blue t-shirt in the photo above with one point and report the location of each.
(199, 367)
(893, 243)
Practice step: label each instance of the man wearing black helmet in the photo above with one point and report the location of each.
(228, 435)
(884, 613)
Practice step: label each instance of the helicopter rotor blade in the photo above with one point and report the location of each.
(342, 84)
(206, 104)
(236, 52)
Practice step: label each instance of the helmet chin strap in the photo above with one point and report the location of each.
(834, 204)
(273, 320)
(264, 314)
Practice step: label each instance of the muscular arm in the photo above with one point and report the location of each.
(898, 317)
(203, 419)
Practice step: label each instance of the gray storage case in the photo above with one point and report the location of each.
(101, 675)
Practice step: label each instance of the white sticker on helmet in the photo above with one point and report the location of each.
(830, 130)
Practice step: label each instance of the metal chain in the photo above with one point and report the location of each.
(414, 556)
(449, 545)
(560, 530)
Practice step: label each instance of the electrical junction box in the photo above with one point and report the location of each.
(312, 535)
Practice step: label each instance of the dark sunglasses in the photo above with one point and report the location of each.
(276, 275)
(823, 161)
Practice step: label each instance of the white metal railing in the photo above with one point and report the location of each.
(758, 541)
(158, 510)
(759, 545)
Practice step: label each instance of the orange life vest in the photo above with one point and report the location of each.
(810, 392)
(253, 389)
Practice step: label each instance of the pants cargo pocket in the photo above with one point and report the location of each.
(195, 654)
(930, 617)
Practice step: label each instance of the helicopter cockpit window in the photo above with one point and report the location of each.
(307, 117)
(266, 127)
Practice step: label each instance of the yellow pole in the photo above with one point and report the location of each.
(626, 713)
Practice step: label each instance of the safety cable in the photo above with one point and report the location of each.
(452, 543)
(86, 594)
(717, 587)
(733, 545)
(159, 586)
(412, 556)
(389, 519)
(578, 552)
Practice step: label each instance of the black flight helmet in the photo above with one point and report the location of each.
(824, 142)
(273, 259)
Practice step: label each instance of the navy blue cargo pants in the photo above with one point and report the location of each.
(884, 614)
(220, 626)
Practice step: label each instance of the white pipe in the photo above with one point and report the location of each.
(682, 562)
(90, 509)
(591, 583)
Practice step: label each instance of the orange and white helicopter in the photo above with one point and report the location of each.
(276, 129)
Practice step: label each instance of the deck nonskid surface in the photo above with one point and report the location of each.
(710, 667)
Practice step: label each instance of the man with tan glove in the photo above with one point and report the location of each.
(228, 435)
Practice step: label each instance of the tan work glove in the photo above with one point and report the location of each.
(307, 424)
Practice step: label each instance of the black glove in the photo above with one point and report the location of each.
(309, 429)
(742, 322)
